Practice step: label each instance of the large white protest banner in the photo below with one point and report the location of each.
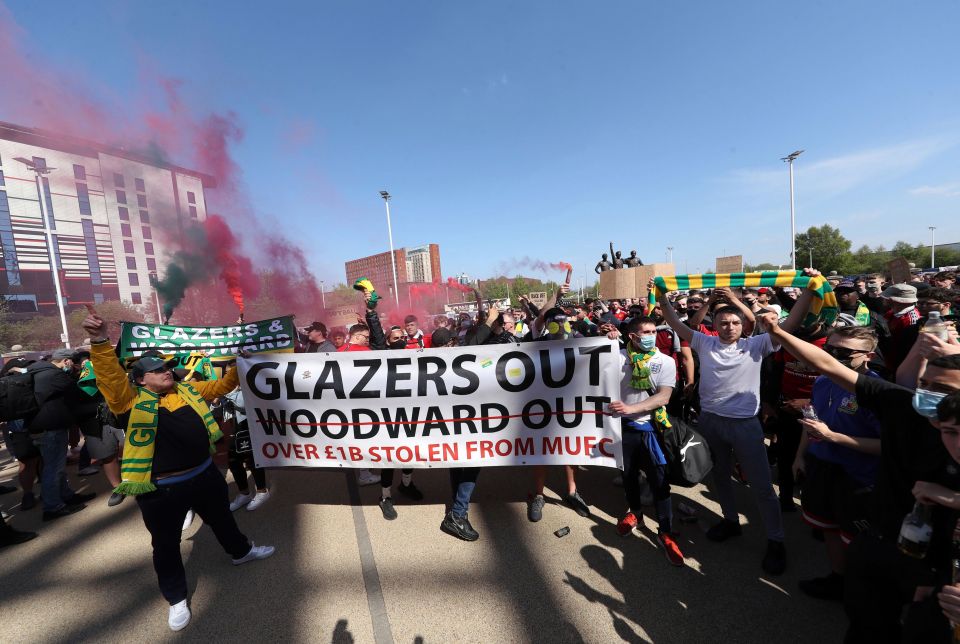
(538, 403)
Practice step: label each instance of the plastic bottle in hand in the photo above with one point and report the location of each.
(935, 325)
(916, 532)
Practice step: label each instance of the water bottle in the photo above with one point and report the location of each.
(935, 325)
(916, 532)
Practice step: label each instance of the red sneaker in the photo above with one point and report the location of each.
(627, 524)
(670, 549)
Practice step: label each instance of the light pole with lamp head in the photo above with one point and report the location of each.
(393, 260)
(789, 159)
(54, 269)
(670, 254)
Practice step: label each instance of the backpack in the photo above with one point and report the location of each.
(687, 452)
(17, 398)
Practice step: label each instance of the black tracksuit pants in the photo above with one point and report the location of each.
(163, 513)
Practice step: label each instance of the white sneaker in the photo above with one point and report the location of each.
(187, 521)
(179, 616)
(239, 501)
(366, 477)
(259, 499)
(256, 552)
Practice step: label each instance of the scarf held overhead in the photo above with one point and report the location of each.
(137, 466)
(823, 307)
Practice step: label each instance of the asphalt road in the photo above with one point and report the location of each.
(343, 574)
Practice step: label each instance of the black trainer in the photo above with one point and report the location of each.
(11, 536)
(576, 502)
(410, 491)
(829, 587)
(80, 499)
(535, 507)
(66, 510)
(28, 502)
(724, 530)
(459, 527)
(775, 561)
(7, 489)
(389, 512)
(115, 499)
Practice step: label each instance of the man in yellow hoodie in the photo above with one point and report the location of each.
(167, 460)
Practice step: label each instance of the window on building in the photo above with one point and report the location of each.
(193, 211)
(131, 263)
(127, 246)
(84, 198)
(79, 172)
(191, 197)
(148, 247)
(121, 196)
(134, 279)
(146, 233)
(139, 185)
(142, 201)
(118, 180)
(144, 217)
(137, 298)
(125, 230)
(151, 264)
(124, 213)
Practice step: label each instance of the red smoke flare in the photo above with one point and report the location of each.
(463, 288)
(236, 271)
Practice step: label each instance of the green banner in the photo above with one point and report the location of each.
(274, 335)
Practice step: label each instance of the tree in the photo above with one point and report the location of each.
(763, 266)
(830, 249)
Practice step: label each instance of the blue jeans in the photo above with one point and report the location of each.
(462, 482)
(53, 477)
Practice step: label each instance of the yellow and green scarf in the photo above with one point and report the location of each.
(640, 379)
(137, 466)
(822, 308)
(863, 315)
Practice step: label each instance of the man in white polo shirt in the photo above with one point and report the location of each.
(730, 400)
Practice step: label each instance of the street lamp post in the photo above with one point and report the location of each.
(670, 254)
(789, 159)
(323, 298)
(393, 259)
(54, 269)
(933, 246)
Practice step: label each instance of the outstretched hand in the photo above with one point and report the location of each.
(770, 321)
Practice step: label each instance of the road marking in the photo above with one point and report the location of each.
(382, 633)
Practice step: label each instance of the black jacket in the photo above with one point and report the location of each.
(58, 396)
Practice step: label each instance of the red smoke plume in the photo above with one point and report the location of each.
(533, 264)
(235, 271)
(38, 94)
(463, 288)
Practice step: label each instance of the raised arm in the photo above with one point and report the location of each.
(809, 354)
(799, 310)
(211, 389)
(685, 332)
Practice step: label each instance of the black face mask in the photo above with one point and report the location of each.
(399, 344)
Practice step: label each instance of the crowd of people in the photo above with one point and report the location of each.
(856, 415)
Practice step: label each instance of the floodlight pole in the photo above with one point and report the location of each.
(393, 260)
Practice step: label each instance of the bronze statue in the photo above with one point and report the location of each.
(602, 265)
(617, 260)
(633, 261)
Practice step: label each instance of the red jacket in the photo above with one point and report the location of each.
(419, 341)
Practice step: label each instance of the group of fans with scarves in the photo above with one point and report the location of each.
(831, 381)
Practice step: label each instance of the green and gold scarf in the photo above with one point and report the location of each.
(640, 379)
(137, 466)
(823, 307)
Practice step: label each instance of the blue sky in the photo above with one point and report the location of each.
(548, 129)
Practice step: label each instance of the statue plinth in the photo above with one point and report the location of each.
(631, 282)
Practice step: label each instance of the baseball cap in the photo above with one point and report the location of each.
(146, 365)
(900, 293)
(317, 326)
(441, 336)
(63, 354)
(845, 285)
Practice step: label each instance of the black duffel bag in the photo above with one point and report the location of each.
(687, 453)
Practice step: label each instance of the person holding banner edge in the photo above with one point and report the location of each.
(167, 463)
(646, 384)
